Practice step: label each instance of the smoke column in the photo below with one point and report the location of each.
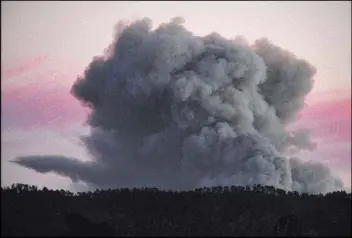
(177, 111)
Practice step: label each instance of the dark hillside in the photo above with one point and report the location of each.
(221, 211)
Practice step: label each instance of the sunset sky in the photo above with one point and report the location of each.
(45, 45)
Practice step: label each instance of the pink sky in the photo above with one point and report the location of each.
(330, 118)
(41, 105)
(45, 46)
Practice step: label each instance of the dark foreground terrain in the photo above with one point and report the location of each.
(220, 211)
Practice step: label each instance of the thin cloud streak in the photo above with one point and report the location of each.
(25, 66)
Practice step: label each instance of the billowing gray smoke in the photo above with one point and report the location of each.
(178, 111)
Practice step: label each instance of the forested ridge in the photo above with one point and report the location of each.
(220, 211)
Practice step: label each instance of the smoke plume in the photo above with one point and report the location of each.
(173, 110)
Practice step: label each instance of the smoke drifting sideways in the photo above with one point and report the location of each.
(173, 110)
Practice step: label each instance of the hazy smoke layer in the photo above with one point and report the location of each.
(178, 111)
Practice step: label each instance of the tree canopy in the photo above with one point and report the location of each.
(226, 211)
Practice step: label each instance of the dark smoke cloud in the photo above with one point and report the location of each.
(178, 111)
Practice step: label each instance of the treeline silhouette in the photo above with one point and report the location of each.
(217, 211)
